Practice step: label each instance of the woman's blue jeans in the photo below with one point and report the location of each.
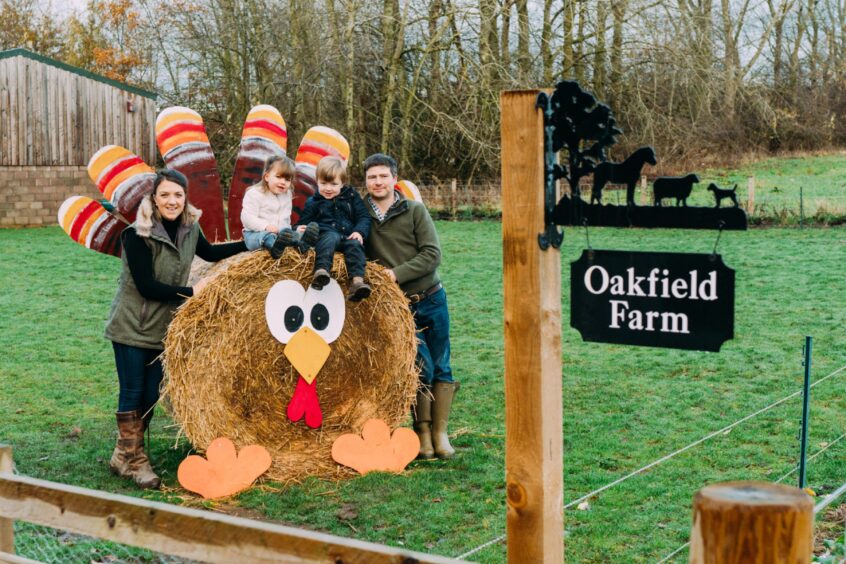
(140, 375)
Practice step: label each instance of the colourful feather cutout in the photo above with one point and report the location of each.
(409, 190)
(122, 177)
(184, 145)
(318, 142)
(264, 135)
(88, 223)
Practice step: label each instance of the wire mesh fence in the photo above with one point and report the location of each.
(764, 201)
(49, 545)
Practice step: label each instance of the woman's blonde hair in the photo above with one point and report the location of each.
(289, 169)
(331, 168)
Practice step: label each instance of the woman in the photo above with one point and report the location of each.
(157, 253)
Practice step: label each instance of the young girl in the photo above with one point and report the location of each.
(266, 211)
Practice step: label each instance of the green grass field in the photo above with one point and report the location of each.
(623, 406)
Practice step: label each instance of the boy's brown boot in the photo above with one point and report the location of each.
(422, 414)
(443, 393)
(129, 459)
(320, 279)
(359, 289)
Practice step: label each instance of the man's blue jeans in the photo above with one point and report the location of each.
(431, 317)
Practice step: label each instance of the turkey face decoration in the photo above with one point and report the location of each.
(306, 322)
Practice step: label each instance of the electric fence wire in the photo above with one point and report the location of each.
(673, 454)
(818, 508)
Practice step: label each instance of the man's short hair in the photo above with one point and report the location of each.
(381, 159)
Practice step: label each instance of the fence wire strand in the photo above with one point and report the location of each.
(675, 453)
(826, 501)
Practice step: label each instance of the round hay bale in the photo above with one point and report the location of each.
(227, 376)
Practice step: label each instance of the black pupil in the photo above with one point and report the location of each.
(294, 318)
(319, 317)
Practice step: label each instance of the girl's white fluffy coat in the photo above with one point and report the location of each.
(262, 208)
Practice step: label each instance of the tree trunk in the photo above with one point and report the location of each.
(524, 57)
(599, 51)
(505, 40)
(349, 73)
(616, 77)
(547, 59)
(569, 9)
(393, 27)
(579, 49)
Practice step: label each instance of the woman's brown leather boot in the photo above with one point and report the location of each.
(441, 406)
(422, 413)
(129, 459)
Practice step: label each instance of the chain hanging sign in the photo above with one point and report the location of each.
(669, 300)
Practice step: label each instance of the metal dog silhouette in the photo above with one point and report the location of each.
(720, 193)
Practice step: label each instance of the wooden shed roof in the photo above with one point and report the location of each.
(20, 52)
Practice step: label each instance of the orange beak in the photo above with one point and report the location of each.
(307, 352)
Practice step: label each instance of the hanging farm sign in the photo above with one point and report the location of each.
(670, 300)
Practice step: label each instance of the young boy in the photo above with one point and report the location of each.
(344, 225)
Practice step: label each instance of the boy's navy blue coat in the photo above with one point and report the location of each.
(345, 213)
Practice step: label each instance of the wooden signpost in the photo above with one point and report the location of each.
(532, 296)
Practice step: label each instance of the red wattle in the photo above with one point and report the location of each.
(304, 402)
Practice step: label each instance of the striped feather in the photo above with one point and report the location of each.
(184, 145)
(88, 223)
(318, 142)
(264, 135)
(122, 177)
(409, 190)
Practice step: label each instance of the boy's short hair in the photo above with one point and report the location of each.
(331, 168)
(381, 159)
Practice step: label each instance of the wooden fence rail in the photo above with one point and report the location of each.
(171, 529)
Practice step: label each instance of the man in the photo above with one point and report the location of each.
(403, 239)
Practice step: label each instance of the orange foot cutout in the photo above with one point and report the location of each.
(223, 473)
(376, 450)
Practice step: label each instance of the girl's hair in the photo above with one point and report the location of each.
(288, 169)
(331, 168)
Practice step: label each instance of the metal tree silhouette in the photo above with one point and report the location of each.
(582, 126)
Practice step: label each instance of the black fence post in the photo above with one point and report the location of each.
(806, 408)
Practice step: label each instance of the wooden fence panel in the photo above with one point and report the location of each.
(55, 116)
(171, 529)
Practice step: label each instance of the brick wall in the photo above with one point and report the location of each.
(31, 195)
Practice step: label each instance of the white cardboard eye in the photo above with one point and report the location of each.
(280, 309)
(325, 310)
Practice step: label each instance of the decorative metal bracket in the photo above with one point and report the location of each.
(551, 235)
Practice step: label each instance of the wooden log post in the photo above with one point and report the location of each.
(453, 188)
(7, 526)
(644, 193)
(532, 298)
(750, 195)
(752, 522)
